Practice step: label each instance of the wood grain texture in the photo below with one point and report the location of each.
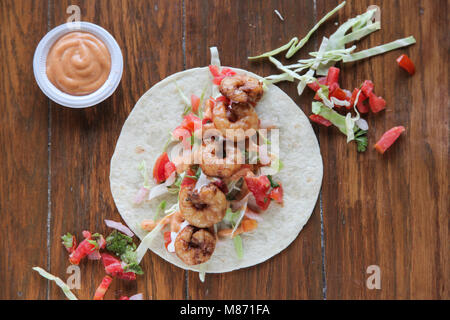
(392, 210)
(83, 141)
(23, 150)
(240, 29)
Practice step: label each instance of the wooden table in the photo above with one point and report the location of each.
(390, 211)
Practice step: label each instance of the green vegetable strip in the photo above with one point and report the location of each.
(292, 50)
(380, 49)
(65, 288)
(361, 33)
(294, 44)
(238, 246)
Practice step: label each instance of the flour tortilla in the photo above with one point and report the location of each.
(145, 133)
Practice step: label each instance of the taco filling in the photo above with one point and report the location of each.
(216, 169)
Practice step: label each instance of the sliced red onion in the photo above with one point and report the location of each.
(141, 195)
(236, 205)
(252, 215)
(252, 204)
(348, 93)
(138, 296)
(157, 191)
(170, 180)
(264, 157)
(201, 182)
(119, 226)
(362, 124)
(94, 255)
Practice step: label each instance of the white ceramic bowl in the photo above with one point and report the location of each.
(62, 98)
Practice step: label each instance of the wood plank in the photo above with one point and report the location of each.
(23, 149)
(83, 141)
(392, 210)
(240, 29)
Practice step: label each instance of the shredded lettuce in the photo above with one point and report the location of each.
(237, 240)
(294, 44)
(215, 60)
(400, 43)
(65, 288)
(161, 207)
(185, 99)
(143, 169)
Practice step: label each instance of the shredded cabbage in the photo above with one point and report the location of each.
(238, 246)
(65, 288)
(400, 43)
(294, 44)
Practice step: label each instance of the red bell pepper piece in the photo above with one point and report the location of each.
(376, 103)
(339, 94)
(102, 288)
(159, 168)
(214, 70)
(184, 135)
(277, 194)
(362, 108)
(405, 62)
(367, 87)
(191, 122)
(260, 187)
(227, 72)
(124, 298)
(187, 181)
(84, 248)
(195, 103)
(333, 75)
(320, 120)
(223, 99)
(389, 138)
(314, 86)
(169, 168)
(113, 267)
(167, 238)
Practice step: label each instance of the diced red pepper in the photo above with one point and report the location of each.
(113, 267)
(124, 298)
(277, 194)
(376, 103)
(339, 94)
(167, 238)
(187, 181)
(184, 135)
(159, 168)
(314, 86)
(333, 75)
(362, 108)
(195, 103)
(227, 72)
(332, 87)
(320, 120)
(223, 99)
(169, 168)
(367, 87)
(218, 80)
(84, 248)
(191, 122)
(260, 187)
(389, 138)
(214, 70)
(102, 288)
(322, 80)
(405, 62)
